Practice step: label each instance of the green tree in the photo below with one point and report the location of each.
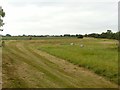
(8, 35)
(2, 14)
(80, 36)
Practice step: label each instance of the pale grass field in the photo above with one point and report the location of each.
(40, 64)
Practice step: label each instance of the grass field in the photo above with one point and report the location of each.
(100, 56)
(54, 63)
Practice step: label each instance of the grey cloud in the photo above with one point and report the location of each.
(53, 2)
(61, 16)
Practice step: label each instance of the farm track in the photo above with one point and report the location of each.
(24, 66)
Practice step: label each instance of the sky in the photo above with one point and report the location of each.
(58, 17)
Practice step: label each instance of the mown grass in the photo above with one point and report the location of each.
(26, 67)
(98, 55)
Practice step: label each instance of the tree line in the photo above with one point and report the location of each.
(107, 35)
(65, 35)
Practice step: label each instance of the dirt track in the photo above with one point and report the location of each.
(26, 66)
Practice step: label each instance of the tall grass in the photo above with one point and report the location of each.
(100, 56)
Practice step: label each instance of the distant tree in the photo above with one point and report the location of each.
(77, 35)
(8, 35)
(85, 35)
(23, 35)
(73, 35)
(95, 35)
(66, 35)
(61, 35)
(103, 35)
(117, 35)
(109, 31)
(80, 36)
(109, 34)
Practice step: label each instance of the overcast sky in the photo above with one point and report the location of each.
(56, 17)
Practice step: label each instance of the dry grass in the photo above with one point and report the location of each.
(24, 66)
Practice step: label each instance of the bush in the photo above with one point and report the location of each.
(80, 36)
